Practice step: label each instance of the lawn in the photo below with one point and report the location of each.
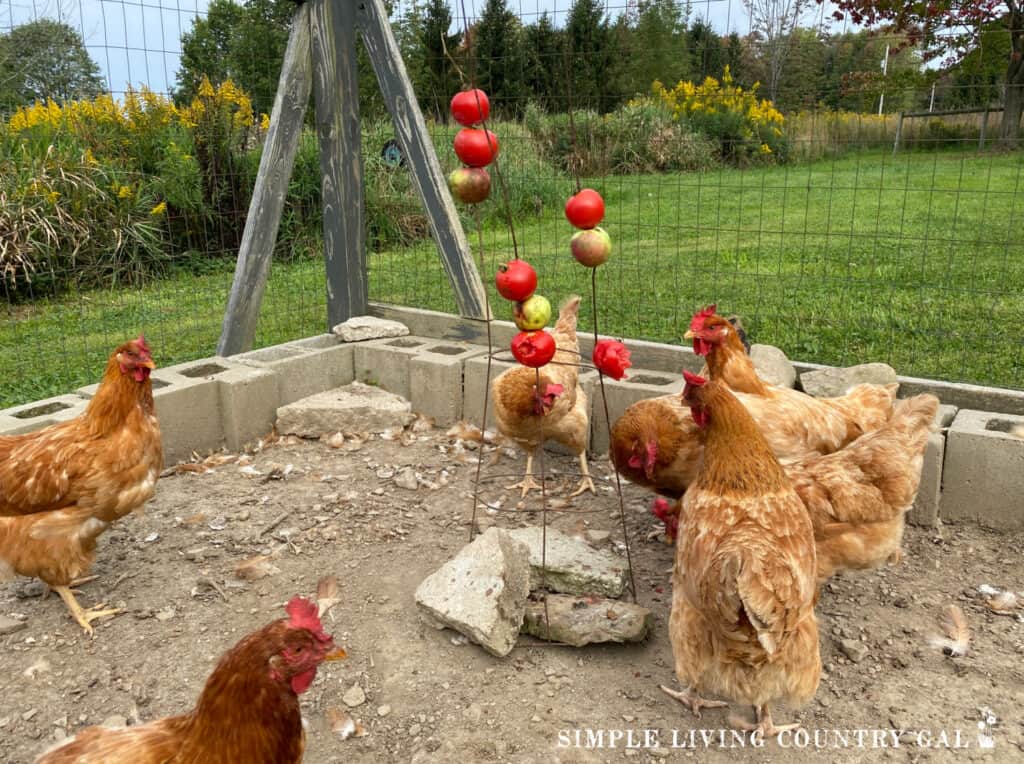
(916, 260)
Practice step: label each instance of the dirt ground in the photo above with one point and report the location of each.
(433, 698)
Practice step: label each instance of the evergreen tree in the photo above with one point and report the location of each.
(544, 71)
(438, 80)
(659, 42)
(499, 60)
(587, 36)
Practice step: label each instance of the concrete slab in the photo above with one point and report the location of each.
(30, 417)
(385, 362)
(926, 505)
(356, 407)
(331, 353)
(640, 384)
(435, 380)
(570, 565)
(982, 469)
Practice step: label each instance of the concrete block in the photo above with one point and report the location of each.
(189, 413)
(385, 362)
(926, 505)
(640, 384)
(332, 354)
(247, 397)
(475, 382)
(30, 417)
(435, 380)
(298, 376)
(982, 470)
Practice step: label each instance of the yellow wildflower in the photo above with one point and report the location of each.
(124, 192)
(159, 209)
(264, 122)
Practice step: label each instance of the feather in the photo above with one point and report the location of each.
(957, 637)
(327, 595)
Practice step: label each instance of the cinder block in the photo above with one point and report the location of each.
(475, 382)
(926, 505)
(981, 474)
(34, 416)
(435, 380)
(638, 385)
(298, 376)
(331, 354)
(247, 397)
(189, 412)
(385, 362)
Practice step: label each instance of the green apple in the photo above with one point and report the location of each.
(532, 314)
(591, 247)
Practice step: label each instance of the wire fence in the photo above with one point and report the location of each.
(131, 132)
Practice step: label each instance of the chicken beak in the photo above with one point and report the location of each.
(147, 364)
(336, 655)
(689, 335)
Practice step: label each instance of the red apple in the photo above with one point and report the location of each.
(516, 280)
(532, 314)
(591, 247)
(585, 209)
(471, 146)
(470, 184)
(470, 107)
(533, 349)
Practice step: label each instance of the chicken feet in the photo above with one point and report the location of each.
(586, 484)
(527, 483)
(83, 616)
(692, 700)
(764, 723)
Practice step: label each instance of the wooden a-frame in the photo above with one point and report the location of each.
(321, 57)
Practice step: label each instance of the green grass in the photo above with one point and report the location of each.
(917, 261)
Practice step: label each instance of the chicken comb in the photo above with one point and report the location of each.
(304, 614)
(141, 342)
(693, 379)
(697, 322)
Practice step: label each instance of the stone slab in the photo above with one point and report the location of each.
(353, 408)
(580, 621)
(571, 565)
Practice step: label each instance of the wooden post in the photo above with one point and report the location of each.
(424, 167)
(336, 94)
(275, 171)
(899, 132)
(984, 125)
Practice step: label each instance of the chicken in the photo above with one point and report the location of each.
(62, 486)
(857, 497)
(530, 413)
(247, 712)
(805, 424)
(743, 587)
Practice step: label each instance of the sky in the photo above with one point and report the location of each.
(139, 41)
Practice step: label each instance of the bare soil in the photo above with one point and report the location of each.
(432, 697)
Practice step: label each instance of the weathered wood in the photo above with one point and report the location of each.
(899, 132)
(424, 166)
(336, 94)
(268, 196)
(950, 112)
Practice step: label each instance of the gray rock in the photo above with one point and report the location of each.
(10, 625)
(571, 565)
(772, 365)
(117, 721)
(406, 479)
(579, 621)
(354, 696)
(481, 592)
(830, 383)
(353, 408)
(359, 328)
(853, 649)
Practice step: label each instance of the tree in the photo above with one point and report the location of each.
(953, 28)
(775, 21)
(433, 71)
(498, 56)
(43, 60)
(544, 71)
(587, 37)
(704, 47)
(659, 40)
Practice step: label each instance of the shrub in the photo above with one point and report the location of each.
(746, 127)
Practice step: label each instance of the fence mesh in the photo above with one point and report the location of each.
(131, 132)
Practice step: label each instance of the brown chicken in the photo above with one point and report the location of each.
(811, 425)
(248, 710)
(857, 498)
(555, 410)
(743, 586)
(62, 486)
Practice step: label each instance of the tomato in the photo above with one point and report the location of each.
(467, 111)
(585, 209)
(471, 146)
(516, 280)
(533, 349)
